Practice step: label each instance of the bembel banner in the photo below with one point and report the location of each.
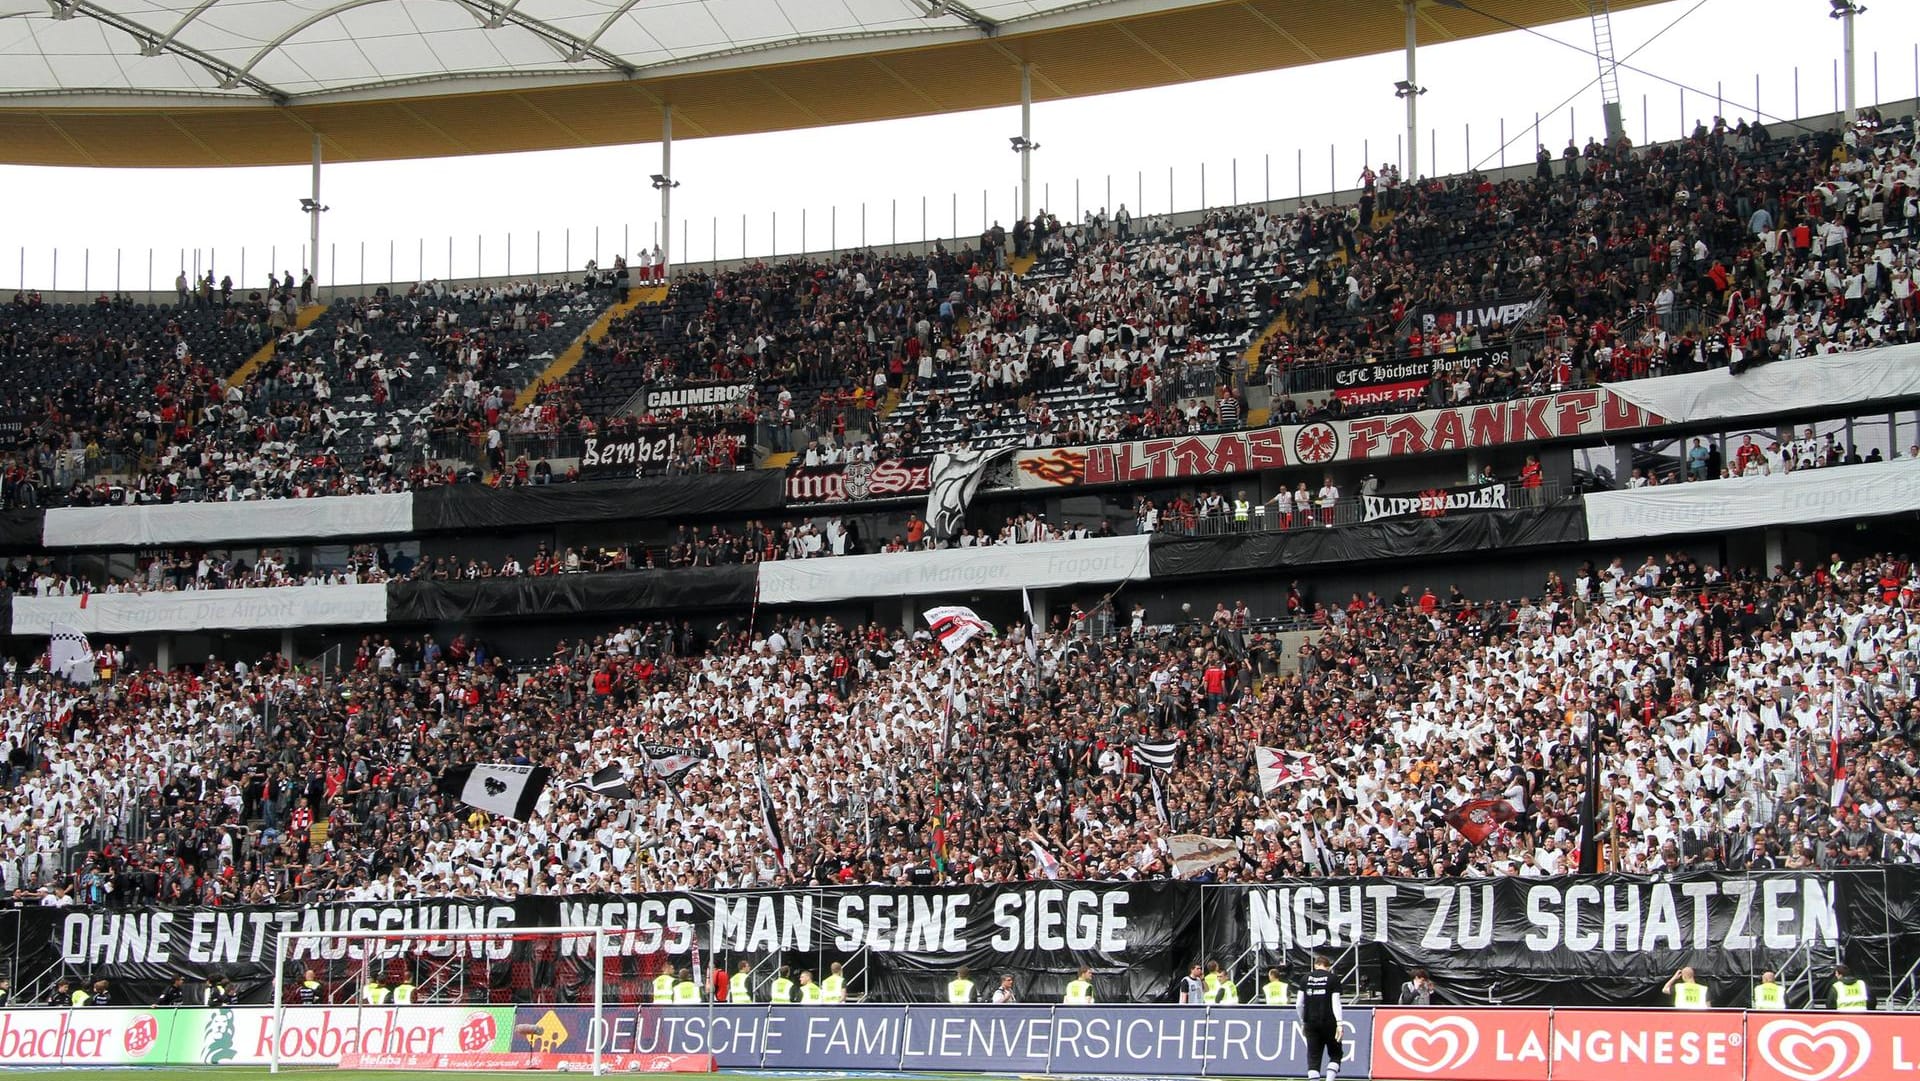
(649, 450)
(1435, 503)
(858, 482)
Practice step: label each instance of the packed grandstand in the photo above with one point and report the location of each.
(1495, 670)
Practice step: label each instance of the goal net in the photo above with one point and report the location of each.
(525, 998)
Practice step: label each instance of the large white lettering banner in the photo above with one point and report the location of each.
(224, 523)
(1717, 506)
(204, 609)
(955, 570)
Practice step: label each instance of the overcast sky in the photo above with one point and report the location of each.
(1275, 133)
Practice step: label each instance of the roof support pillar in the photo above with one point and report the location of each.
(1846, 13)
(666, 190)
(1412, 95)
(1026, 142)
(313, 222)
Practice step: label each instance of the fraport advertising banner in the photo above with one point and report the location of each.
(1248, 1041)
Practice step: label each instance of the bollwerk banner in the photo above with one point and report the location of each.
(1600, 940)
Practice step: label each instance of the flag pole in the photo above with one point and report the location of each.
(1590, 797)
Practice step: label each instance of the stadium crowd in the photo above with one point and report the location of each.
(755, 541)
(1728, 249)
(1714, 693)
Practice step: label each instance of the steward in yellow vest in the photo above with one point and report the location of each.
(1768, 995)
(1080, 991)
(960, 988)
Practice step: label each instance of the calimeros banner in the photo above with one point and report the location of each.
(1434, 503)
(1598, 940)
(857, 482)
(648, 451)
(1567, 415)
(698, 398)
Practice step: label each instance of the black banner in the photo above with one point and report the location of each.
(471, 506)
(858, 482)
(1501, 311)
(1434, 502)
(648, 451)
(1597, 939)
(1419, 370)
(1410, 538)
(23, 530)
(1590, 940)
(695, 397)
(571, 594)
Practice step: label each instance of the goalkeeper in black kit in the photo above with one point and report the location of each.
(1319, 1004)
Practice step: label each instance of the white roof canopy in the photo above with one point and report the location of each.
(307, 51)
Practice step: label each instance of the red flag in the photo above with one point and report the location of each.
(1477, 819)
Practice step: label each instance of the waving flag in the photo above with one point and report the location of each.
(1159, 755)
(1046, 861)
(610, 782)
(70, 655)
(1279, 767)
(956, 625)
(770, 815)
(671, 762)
(510, 791)
(1477, 819)
(1192, 853)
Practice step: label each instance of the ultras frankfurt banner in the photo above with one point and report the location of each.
(1567, 415)
(1607, 939)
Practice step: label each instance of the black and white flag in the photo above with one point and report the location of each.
(70, 655)
(956, 475)
(496, 788)
(770, 816)
(610, 782)
(1156, 755)
(672, 762)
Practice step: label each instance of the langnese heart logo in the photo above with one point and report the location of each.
(1430, 1045)
(1828, 1051)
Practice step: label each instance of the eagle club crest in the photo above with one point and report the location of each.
(858, 479)
(1433, 503)
(1316, 443)
(495, 786)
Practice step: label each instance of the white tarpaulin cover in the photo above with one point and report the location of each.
(203, 609)
(221, 523)
(1716, 506)
(1835, 379)
(955, 570)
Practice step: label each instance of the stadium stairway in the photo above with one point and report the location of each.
(307, 317)
(1257, 416)
(570, 356)
(1020, 264)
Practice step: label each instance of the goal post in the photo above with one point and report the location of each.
(390, 970)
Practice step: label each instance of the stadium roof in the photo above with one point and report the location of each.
(249, 82)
